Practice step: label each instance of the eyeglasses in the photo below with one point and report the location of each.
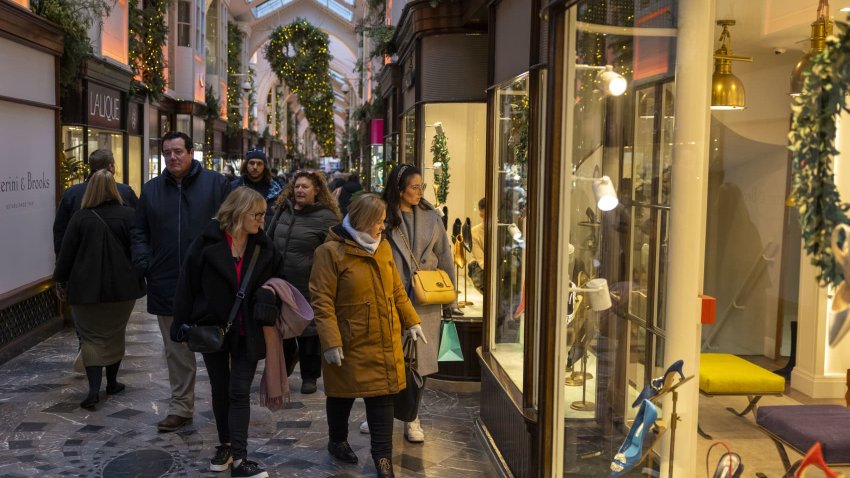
(418, 187)
(258, 216)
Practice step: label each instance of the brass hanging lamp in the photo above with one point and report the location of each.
(821, 28)
(727, 90)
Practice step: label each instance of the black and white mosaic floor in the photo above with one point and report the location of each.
(44, 432)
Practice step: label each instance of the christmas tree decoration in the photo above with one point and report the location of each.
(441, 165)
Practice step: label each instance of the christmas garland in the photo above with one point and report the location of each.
(441, 166)
(812, 146)
(234, 82)
(299, 54)
(147, 36)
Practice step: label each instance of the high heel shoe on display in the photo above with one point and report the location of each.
(839, 322)
(814, 458)
(729, 465)
(664, 382)
(631, 452)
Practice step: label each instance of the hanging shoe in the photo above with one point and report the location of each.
(814, 458)
(445, 217)
(631, 452)
(467, 235)
(664, 382)
(456, 226)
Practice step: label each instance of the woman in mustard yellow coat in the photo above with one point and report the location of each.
(361, 311)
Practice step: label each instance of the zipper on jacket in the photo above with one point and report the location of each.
(368, 316)
(179, 223)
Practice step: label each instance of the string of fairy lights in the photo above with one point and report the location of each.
(234, 69)
(299, 54)
(147, 37)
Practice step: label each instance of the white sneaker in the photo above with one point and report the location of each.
(364, 428)
(413, 432)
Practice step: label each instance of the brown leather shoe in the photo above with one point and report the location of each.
(173, 422)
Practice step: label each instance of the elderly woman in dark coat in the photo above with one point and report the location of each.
(101, 292)
(306, 211)
(414, 228)
(215, 265)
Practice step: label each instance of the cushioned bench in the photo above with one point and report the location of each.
(800, 426)
(727, 374)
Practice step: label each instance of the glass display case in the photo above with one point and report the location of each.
(509, 216)
(408, 132)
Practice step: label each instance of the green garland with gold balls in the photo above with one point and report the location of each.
(299, 54)
(812, 145)
(234, 79)
(441, 173)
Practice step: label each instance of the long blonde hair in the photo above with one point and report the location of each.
(99, 189)
(323, 196)
(239, 202)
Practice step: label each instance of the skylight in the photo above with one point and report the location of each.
(269, 7)
(342, 8)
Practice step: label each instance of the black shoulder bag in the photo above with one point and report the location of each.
(406, 401)
(210, 338)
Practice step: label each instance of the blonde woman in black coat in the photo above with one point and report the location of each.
(96, 277)
(212, 274)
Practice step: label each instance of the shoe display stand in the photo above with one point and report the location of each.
(674, 417)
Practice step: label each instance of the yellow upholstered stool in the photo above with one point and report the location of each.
(727, 374)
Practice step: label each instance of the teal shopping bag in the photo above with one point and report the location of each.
(449, 343)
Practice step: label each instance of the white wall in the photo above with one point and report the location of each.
(465, 127)
(747, 175)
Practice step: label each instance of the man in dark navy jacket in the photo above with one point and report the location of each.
(174, 209)
(73, 196)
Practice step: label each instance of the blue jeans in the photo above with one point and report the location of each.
(230, 380)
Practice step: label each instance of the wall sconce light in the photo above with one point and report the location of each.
(597, 294)
(603, 190)
(610, 82)
(727, 91)
(821, 28)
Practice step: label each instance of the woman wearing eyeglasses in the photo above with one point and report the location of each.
(216, 264)
(305, 212)
(414, 228)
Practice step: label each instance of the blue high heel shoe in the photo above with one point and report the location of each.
(631, 451)
(658, 385)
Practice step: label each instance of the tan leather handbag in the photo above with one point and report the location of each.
(430, 287)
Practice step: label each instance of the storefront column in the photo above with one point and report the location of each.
(687, 223)
(821, 370)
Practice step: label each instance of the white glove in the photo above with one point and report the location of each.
(334, 356)
(416, 333)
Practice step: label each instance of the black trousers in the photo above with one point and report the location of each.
(230, 380)
(308, 350)
(379, 415)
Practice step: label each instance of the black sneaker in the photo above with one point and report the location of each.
(222, 459)
(248, 469)
(308, 386)
(342, 451)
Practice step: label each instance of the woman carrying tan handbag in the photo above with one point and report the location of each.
(419, 242)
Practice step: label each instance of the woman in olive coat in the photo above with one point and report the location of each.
(361, 310)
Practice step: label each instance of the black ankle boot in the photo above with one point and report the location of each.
(341, 450)
(94, 375)
(384, 467)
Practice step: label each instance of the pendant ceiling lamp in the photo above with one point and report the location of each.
(821, 28)
(727, 91)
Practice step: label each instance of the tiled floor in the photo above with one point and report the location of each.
(44, 432)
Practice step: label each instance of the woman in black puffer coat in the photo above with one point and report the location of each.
(305, 212)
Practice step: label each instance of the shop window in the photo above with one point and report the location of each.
(200, 23)
(113, 36)
(510, 201)
(408, 127)
(113, 141)
(155, 163)
(212, 39)
(184, 23)
(74, 150)
(134, 170)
